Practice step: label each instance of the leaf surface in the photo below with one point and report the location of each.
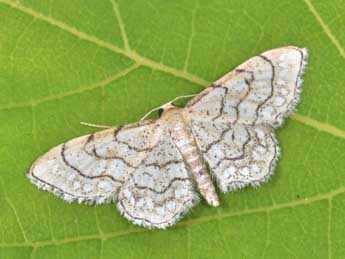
(108, 62)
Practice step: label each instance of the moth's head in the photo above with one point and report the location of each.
(165, 108)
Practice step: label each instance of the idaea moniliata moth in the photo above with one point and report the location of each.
(156, 170)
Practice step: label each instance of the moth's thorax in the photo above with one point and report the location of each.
(185, 142)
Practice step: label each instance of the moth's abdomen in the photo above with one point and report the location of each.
(187, 146)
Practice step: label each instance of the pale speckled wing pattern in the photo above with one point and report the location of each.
(160, 190)
(233, 119)
(238, 155)
(92, 168)
(136, 165)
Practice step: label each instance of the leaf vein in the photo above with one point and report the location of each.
(325, 28)
(320, 197)
(128, 53)
(190, 41)
(78, 90)
(318, 125)
(17, 218)
(329, 226)
(158, 66)
(121, 24)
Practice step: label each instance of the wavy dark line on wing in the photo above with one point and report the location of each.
(160, 166)
(175, 216)
(270, 172)
(222, 104)
(63, 149)
(249, 85)
(276, 148)
(243, 149)
(116, 131)
(300, 71)
(164, 189)
(209, 146)
(147, 149)
(299, 77)
(54, 188)
(272, 86)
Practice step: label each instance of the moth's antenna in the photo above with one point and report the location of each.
(183, 96)
(96, 125)
(173, 100)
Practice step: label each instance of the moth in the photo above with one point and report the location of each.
(156, 170)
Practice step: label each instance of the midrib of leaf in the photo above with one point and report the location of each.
(140, 60)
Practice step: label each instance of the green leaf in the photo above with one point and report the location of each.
(62, 62)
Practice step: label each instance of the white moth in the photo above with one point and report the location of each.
(155, 170)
